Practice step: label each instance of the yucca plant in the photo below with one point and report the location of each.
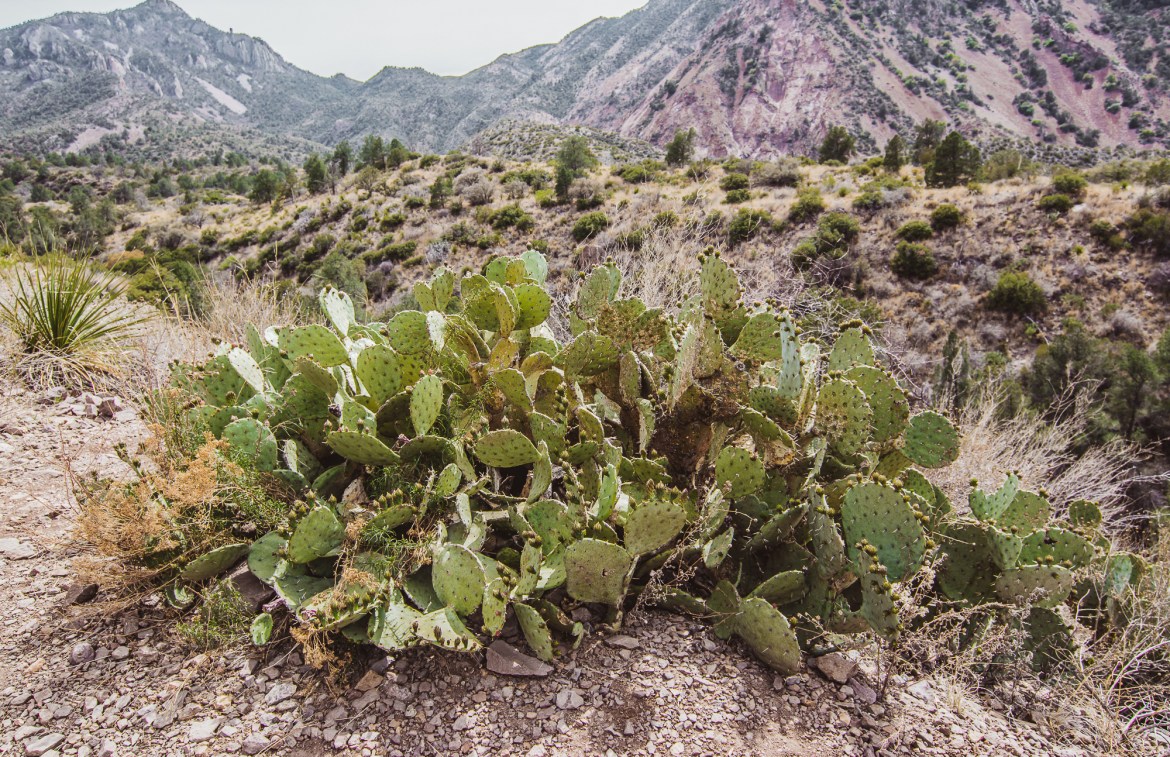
(70, 320)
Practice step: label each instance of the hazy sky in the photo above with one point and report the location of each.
(358, 37)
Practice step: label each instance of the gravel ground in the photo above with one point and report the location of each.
(78, 682)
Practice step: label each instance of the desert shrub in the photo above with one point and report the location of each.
(1058, 203)
(590, 225)
(69, 320)
(479, 192)
(1071, 183)
(546, 198)
(737, 196)
(809, 204)
(1016, 292)
(835, 232)
(780, 173)
(915, 231)
(945, 217)
(1150, 229)
(392, 251)
(639, 173)
(535, 178)
(414, 202)
(734, 181)
(512, 216)
(746, 224)
(587, 193)
(667, 219)
(515, 189)
(1106, 234)
(913, 260)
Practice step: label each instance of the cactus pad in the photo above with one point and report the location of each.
(536, 631)
(879, 515)
(379, 372)
(264, 558)
(653, 525)
(740, 470)
(890, 408)
(931, 441)
(852, 348)
(1040, 585)
(426, 400)
(507, 448)
(318, 534)
(252, 441)
(317, 343)
(767, 633)
(844, 415)
(458, 578)
(364, 449)
(596, 571)
(213, 563)
(443, 628)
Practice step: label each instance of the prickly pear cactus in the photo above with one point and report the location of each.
(458, 464)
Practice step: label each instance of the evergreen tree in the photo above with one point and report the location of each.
(573, 160)
(838, 145)
(956, 161)
(681, 149)
(373, 152)
(316, 174)
(342, 158)
(265, 186)
(895, 156)
(929, 135)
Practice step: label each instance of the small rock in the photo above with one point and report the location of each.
(44, 744)
(569, 699)
(110, 406)
(862, 691)
(834, 666)
(14, 549)
(254, 744)
(252, 590)
(120, 653)
(922, 691)
(369, 681)
(79, 594)
(81, 653)
(504, 659)
(107, 749)
(279, 693)
(202, 730)
(623, 642)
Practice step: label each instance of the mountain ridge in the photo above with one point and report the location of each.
(754, 77)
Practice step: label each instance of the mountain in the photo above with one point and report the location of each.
(753, 77)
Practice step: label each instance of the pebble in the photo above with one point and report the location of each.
(82, 652)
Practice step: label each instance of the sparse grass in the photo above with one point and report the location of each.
(222, 620)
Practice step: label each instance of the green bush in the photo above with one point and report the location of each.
(391, 221)
(1016, 292)
(734, 181)
(915, 231)
(913, 261)
(546, 198)
(945, 217)
(746, 224)
(1150, 229)
(737, 196)
(512, 216)
(1059, 204)
(809, 204)
(590, 225)
(394, 251)
(1071, 183)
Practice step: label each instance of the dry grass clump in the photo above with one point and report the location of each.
(1043, 453)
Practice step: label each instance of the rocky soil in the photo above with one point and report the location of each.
(76, 679)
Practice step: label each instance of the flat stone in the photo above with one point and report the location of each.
(623, 642)
(254, 744)
(79, 594)
(504, 659)
(834, 666)
(862, 691)
(14, 549)
(44, 744)
(252, 590)
(279, 693)
(369, 681)
(203, 730)
(569, 699)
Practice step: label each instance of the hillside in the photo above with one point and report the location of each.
(754, 77)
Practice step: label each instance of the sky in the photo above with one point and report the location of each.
(359, 37)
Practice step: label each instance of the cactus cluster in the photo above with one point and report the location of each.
(458, 462)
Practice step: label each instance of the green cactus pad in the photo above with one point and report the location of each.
(653, 525)
(773, 403)
(1005, 547)
(782, 588)
(317, 375)
(512, 385)
(264, 557)
(844, 415)
(1027, 512)
(767, 633)
(314, 342)
(458, 578)
(296, 589)
(965, 568)
(261, 629)
(931, 441)
(426, 400)
(1122, 571)
(213, 563)
(1061, 545)
(1039, 585)
(988, 507)
(409, 333)
(826, 541)
(390, 624)
(247, 369)
(542, 472)
(719, 286)
(879, 515)
(1084, 513)
(364, 449)
(339, 309)
(596, 571)
(598, 289)
(716, 550)
(252, 441)
(1050, 639)
(379, 372)
(535, 305)
(741, 470)
(852, 348)
(506, 448)
(552, 522)
(443, 628)
(536, 631)
(778, 528)
(760, 339)
(878, 607)
(587, 355)
(529, 575)
(891, 410)
(318, 534)
(494, 608)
